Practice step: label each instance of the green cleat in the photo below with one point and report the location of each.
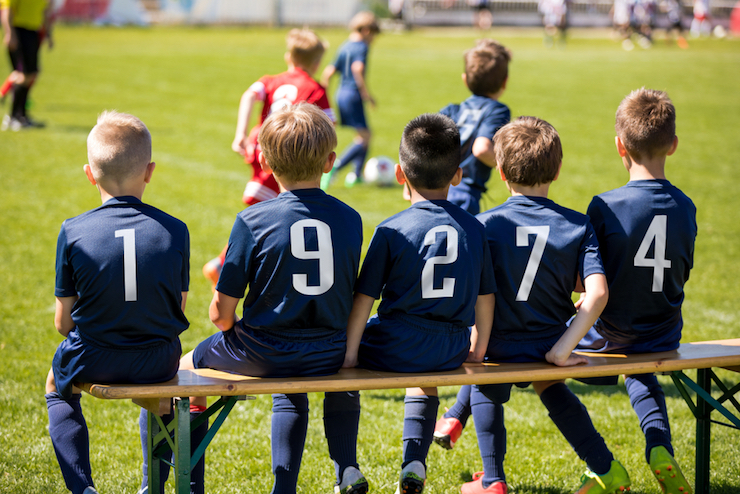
(666, 471)
(615, 481)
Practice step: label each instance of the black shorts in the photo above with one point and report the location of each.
(25, 58)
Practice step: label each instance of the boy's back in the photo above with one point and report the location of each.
(646, 230)
(128, 262)
(299, 254)
(539, 250)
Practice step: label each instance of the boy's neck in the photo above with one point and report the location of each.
(647, 170)
(421, 195)
(291, 186)
(539, 190)
(356, 36)
(497, 95)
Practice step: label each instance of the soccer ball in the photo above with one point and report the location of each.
(380, 170)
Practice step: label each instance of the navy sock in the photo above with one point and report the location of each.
(341, 423)
(420, 415)
(648, 401)
(20, 98)
(70, 439)
(350, 154)
(164, 469)
(360, 161)
(571, 417)
(461, 409)
(491, 431)
(289, 425)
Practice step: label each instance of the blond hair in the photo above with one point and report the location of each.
(296, 142)
(305, 47)
(364, 20)
(528, 151)
(486, 67)
(646, 123)
(118, 147)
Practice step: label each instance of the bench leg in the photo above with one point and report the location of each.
(703, 433)
(182, 446)
(153, 460)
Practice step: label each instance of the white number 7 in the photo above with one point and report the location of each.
(129, 263)
(540, 241)
(656, 231)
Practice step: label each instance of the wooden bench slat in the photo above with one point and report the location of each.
(208, 382)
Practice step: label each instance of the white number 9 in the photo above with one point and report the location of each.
(324, 254)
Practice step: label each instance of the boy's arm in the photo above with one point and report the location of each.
(361, 307)
(594, 301)
(483, 151)
(327, 74)
(246, 104)
(63, 314)
(184, 300)
(358, 72)
(481, 332)
(9, 36)
(223, 311)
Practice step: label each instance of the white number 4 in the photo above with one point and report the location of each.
(540, 241)
(656, 232)
(129, 263)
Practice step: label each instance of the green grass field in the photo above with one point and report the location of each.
(185, 83)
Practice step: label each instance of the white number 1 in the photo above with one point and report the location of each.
(129, 263)
(655, 232)
(540, 241)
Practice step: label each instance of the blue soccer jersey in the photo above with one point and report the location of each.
(539, 250)
(128, 263)
(349, 53)
(299, 255)
(477, 116)
(646, 230)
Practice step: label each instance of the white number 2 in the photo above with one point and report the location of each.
(533, 264)
(427, 273)
(655, 232)
(129, 263)
(324, 253)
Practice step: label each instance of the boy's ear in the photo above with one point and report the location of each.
(464, 79)
(560, 167)
(88, 172)
(330, 162)
(673, 146)
(400, 176)
(264, 164)
(620, 147)
(457, 178)
(501, 173)
(149, 171)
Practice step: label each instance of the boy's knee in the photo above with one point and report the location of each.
(541, 386)
(51, 386)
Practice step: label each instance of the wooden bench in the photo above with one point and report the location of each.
(158, 398)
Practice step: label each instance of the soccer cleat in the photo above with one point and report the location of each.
(615, 481)
(212, 270)
(476, 486)
(89, 490)
(11, 123)
(352, 179)
(353, 482)
(29, 122)
(413, 478)
(666, 471)
(447, 431)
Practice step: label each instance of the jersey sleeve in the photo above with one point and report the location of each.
(65, 285)
(589, 256)
(499, 116)
(374, 271)
(450, 111)
(235, 274)
(185, 275)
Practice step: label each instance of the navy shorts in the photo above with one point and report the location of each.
(244, 350)
(76, 361)
(26, 57)
(404, 343)
(594, 342)
(351, 108)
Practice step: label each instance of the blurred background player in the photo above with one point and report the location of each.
(22, 23)
(352, 93)
(554, 19)
(621, 13)
(701, 24)
(643, 21)
(274, 92)
(674, 13)
(478, 118)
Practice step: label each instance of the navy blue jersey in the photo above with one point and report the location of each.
(429, 261)
(539, 249)
(477, 116)
(646, 230)
(349, 53)
(128, 263)
(299, 254)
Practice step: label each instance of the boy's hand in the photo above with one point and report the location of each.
(571, 360)
(473, 359)
(580, 300)
(349, 361)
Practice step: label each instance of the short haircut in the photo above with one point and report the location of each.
(297, 141)
(486, 67)
(364, 20)
(305, 47)
(118, 147)
(528, 151)
(646, 123)
(430, 151)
